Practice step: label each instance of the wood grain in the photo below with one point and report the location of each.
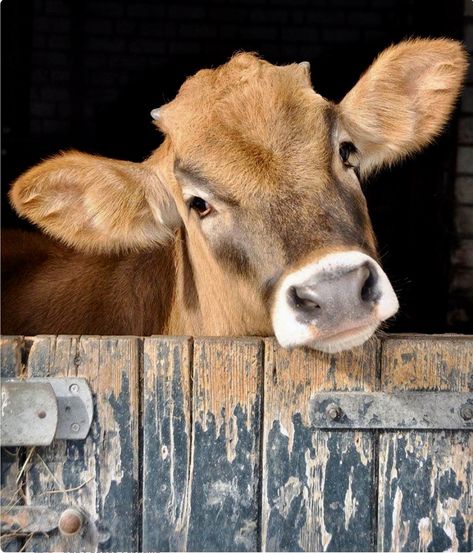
(201, 444)
(166, 443)
(317, 485)
(99, 475)
(412, 362)
(212, 409)
(226, 412)
(425, 478)
(11, 348)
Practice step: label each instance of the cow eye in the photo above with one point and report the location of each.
(202, 207)
(346, 150)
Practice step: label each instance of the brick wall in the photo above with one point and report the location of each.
(461, 289)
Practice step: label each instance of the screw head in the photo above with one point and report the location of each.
(70, 522)
(75, 427)
(466, 412)
(334, 412)
(74, 388)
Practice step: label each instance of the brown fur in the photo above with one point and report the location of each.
(263, 147)
(49, 288)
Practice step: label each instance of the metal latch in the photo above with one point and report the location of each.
(397, 410)
(73, 524)
(36, 519)
(39, 410)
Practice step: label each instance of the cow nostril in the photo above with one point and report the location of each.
(303, 299)
(370, 291)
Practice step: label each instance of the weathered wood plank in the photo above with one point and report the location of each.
(202, 419)
(417, 362)
(11, 348)
(426, 499)
(227, 386)
(98, 475)
(425, 478)
(166, 442)
(317, 486)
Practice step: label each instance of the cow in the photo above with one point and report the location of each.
(249, 218)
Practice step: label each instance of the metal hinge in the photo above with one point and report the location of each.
(398, 410)
(37, 411)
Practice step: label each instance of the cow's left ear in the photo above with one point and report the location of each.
(96, 204)
(403, 100)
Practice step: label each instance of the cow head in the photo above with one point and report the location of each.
(258, 181)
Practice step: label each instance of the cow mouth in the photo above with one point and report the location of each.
(344, 340)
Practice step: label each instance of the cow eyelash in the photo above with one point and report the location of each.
(202, 207)
(346, 149)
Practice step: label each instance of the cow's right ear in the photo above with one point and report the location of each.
(96, 204)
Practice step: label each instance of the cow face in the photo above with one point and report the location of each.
(264, 176)
(270, 178)
(270, 174)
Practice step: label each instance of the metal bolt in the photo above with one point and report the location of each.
(70, 522)
(334, 412)
(74, 388)
(75, 427)
(41, 414)
(466, 412)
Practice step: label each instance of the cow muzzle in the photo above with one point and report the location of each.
(333, 304)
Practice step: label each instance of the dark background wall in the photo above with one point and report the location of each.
(86, 73)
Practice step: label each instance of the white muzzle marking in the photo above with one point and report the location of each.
(341, 322)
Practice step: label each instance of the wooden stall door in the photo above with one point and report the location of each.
(202, 421)
(98, 476)
(426, 477)
(207, 444)
(232, 461)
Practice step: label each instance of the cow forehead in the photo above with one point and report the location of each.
(250, 123)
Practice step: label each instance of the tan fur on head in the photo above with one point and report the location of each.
(96, 204)
(254, 128)
(404, 99)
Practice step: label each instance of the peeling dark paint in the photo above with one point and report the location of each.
(225, 470)
(11, 350)
(74, 473)
(224, 502)
(203, 485)
(346, 480)
(166, 442)
(420, 489)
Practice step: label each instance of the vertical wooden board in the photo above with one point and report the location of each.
(166, 442)
(99, 475)
(426, 491)
(426, 478)
(227, 386)
(318, 486)
(11, 348)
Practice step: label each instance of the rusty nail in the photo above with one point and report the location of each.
(74, 388)
(334, 412)
(75, 427)
(70, 522)
(466, 412)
